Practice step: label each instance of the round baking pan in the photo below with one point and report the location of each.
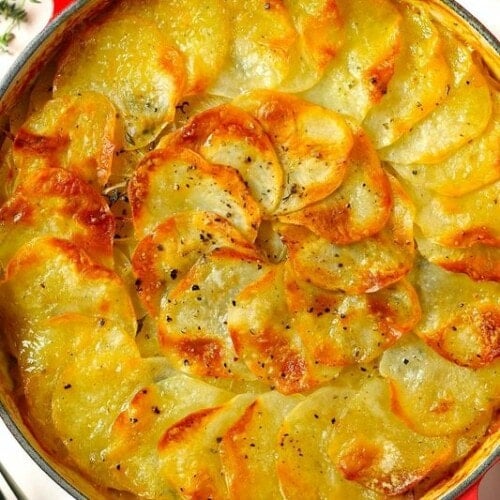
(68, 14)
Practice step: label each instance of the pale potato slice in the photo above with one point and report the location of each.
(372, 446)
(460, 317)
(189, 449)
(44, 351)
(192, 105)
(193, 330)
(54, 202)
(174, 180)
(227, 135)
(49, 277)
(199, 30)
(129, 60)
(75, 132)
(248, 453)
(358, 76)
(303, 461)
(361, 205)
(269, 242)
(84, 408)
(461, 221)
(419, 82)
(367, 265)
(164, 257)
(312, 143)
(434, 396)
(261, 325)
(461, 117)
(262, 38)
(479, 262)
(473, 166)
(133, 446)
(320, 34)
(42, 88)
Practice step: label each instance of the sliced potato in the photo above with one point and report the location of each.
(84, 408)
(367, 265)
(74, 132)
(133, 446)
(164, 257)
(361, 205)
(461, 117)
(174, 180)
(419, 83)
(434, 396)
(49, 277)
(199, 31)
(303, 461)
(227, 135)
(262, 329)
(8, 170)
(261, 42)
(53, 201)
(460, 317)
(479, 262)
(269, 242)
(110, 57)
(372, 446)
(358, 76)
(471, 167)
(320, 33)
(247, 452)
(44, 351)
(193, 328)
(459, 221)
(339, 329)
(312, 143)
(189, 449)
(192, 105)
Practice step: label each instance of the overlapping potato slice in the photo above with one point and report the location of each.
(419, 82)
(173, 180)
(261, 42)
(461, 117)
(297, 335)
(320, 33)
(460, 317)
(461, 221)
(262, 329)
(367, 265)
(133, 446)
(473, 166)
(53, 201)
(303, 461)
(227, 135)
(129, 60)
(84, 408)
(199, 31)
(8, 170)
(44, 351)
(49, 277)
(312, 143)
(361, 205)
(433, 395)
(74, 132)
(189, 449)
(372, 446)
(192, 105)
(359, 74)
(480, 262)
(193, 328)
(164, 257)
(248, 448)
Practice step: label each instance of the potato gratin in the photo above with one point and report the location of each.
(250, 250)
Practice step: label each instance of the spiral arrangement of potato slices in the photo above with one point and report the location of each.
(250, 250)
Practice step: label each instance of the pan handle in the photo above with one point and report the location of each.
(472, 493)
(59, 6)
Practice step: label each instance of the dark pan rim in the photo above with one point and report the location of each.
(27, 54)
